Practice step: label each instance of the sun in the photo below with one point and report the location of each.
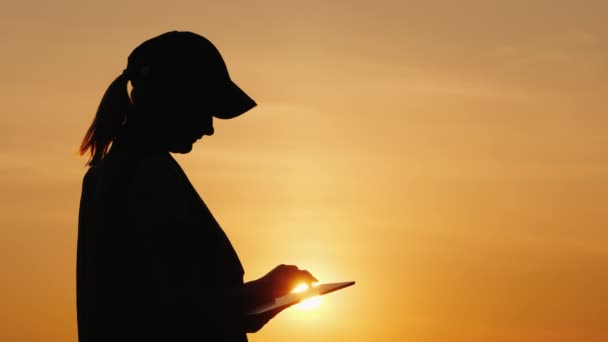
(310, 303)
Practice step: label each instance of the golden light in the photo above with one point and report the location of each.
(310, 303)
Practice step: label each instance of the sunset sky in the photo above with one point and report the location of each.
(449, 156)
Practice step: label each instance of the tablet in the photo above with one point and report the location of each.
(294, 298)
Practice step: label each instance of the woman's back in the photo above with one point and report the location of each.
(103, 251)
(98, 272)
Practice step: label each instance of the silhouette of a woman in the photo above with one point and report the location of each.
(152, 262)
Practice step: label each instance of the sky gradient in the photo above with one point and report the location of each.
(449, 156)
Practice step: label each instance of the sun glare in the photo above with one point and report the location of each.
(310, 303)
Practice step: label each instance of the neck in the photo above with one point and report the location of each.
(139, 138)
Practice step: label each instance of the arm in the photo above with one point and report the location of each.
(166, 300)
(165, 262)
(160, 280)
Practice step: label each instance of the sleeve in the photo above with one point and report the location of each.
(167, 300)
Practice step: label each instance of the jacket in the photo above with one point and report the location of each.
(153, 264)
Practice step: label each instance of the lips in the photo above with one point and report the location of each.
(202, 134)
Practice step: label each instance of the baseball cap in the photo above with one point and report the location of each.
(189, 59)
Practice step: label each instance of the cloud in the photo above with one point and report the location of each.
(568, 50)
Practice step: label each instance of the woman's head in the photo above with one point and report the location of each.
(171, 117)
(180, 82)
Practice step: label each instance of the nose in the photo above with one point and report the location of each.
(203, 124)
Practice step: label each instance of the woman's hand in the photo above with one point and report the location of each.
(282, 280)
(276, 283)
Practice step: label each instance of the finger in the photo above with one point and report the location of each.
(308, 278)
(286, 270)
(292, 268)
(291, 272)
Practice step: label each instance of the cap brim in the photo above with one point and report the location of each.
(232, 101)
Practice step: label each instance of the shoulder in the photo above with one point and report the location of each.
(153, 178)
(155, 166)
(133, 169)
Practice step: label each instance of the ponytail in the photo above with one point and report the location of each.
(110, 117)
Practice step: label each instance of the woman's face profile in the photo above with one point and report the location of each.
(182, 116)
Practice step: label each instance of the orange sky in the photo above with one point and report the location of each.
(449, 156)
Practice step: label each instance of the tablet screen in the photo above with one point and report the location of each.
(294, 298)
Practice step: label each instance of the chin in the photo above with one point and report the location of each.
(185, 148)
